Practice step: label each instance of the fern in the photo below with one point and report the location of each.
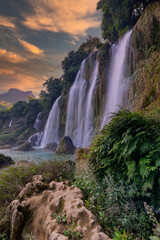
(129, 148)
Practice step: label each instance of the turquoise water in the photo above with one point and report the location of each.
(33, 156)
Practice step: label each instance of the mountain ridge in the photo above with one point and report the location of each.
(14, 95)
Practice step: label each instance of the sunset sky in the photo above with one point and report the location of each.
(35, 35)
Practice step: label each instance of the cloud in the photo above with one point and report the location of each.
(73, 17)
(25, 75)
(7, 22)
(5, 71)
(12, 57)
(30, 47)
(72, 42)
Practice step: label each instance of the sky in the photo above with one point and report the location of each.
(36, 35)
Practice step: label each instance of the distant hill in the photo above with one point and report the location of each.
(14, 95)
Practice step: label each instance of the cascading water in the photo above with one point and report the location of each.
(51, 131)
(37, 124)
(79, 124)
(10, 123)
(116, 77)
(35, 139)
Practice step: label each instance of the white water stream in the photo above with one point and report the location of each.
(115, 87)
(79, 124)
(51, 131)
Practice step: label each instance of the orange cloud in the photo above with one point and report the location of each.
(11, 57)
(30, 47)
(7, 22)
(73, 17)
(5, 71)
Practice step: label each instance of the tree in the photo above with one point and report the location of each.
(72, 62)
(54, 88)
(119, 15)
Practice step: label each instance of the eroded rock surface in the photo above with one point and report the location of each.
(56, 213)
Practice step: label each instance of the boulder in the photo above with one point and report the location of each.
(26, 147)
(66, 146)
(51, 146)
(5, 161)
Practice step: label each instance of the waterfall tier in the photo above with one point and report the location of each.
(51, 131)
(115, 87)
(79, 123)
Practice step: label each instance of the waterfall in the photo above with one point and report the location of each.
(37, 124)
(10, 123)
(79, 123)
(116, 78)
(35, 139)
(51, 131)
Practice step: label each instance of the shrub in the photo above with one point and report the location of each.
(115, 207)
(129, 149)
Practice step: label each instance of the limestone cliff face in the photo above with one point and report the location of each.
(144, 61)
(103, 58)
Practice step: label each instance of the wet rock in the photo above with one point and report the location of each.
(51, 146)
(66, 146)
(5, 161)
(26, 147)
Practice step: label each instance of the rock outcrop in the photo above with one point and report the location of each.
(51, 146)
(26, 147)
(52, 212)
(5, 161)
(66, 146)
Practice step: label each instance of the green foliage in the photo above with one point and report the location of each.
(119, 15)
(32, 109)
(61, 219)
(54, 88)
(121, 236)
(71, 63)
(18, 109)
(70, 66)
(29, 237)
(131, 144)
(116, 206)
(3, 237)
(156, 224)
(71, 233)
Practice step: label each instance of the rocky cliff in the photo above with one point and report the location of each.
(144, 61)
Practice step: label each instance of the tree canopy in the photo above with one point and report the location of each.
(54, 88)
(119, 15)
(73, 60)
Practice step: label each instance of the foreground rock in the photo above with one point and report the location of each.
(5, 161)
(52, 212)
(66, 146)
(26, 147)
(51, 146)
